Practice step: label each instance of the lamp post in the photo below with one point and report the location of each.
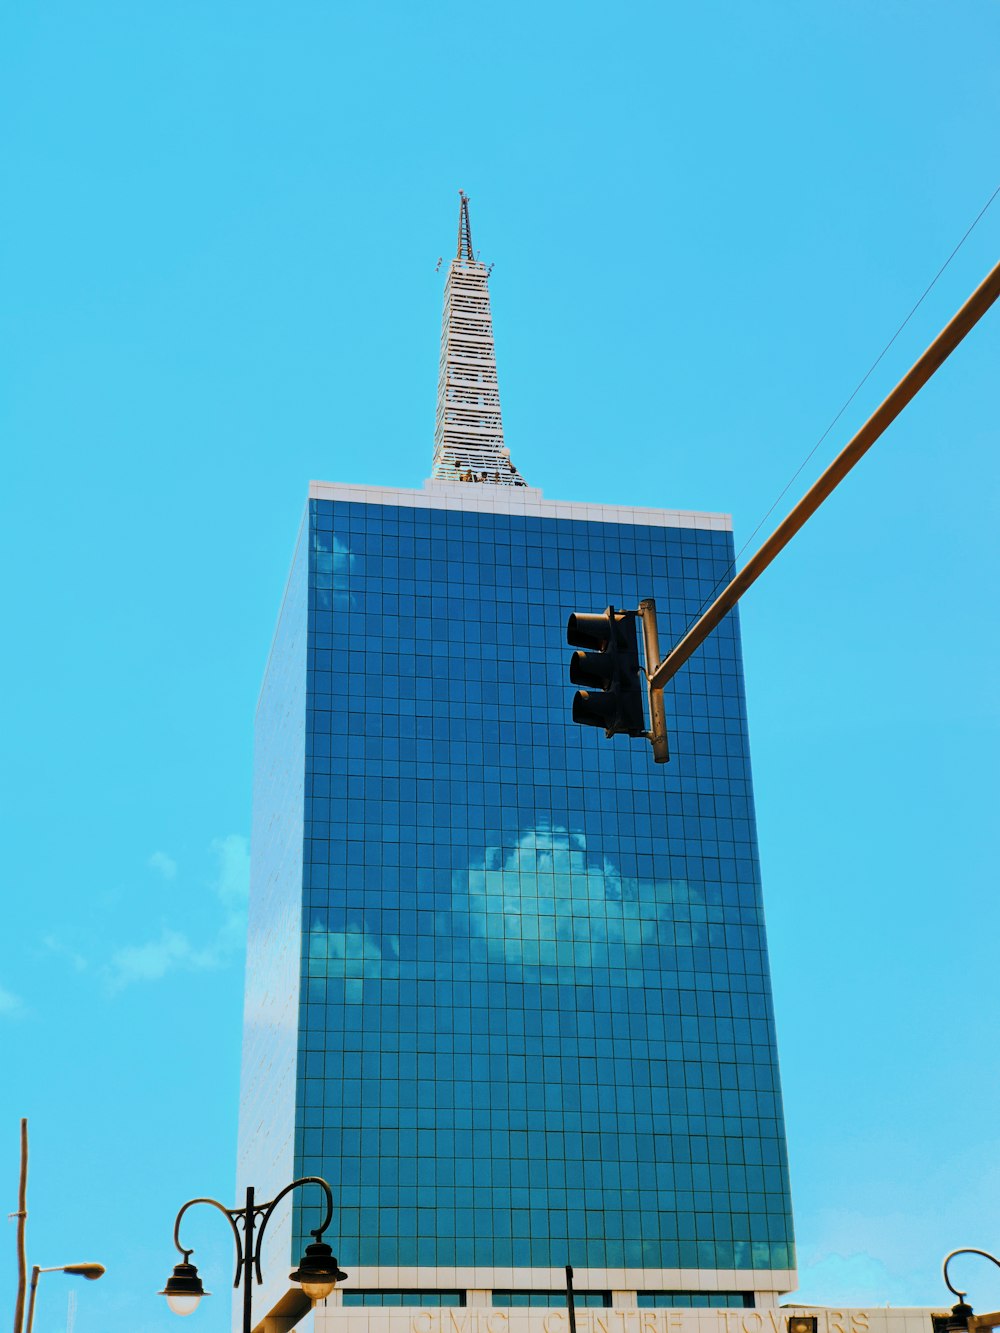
(317, 1272)
(90, 1271)
(961, 1317)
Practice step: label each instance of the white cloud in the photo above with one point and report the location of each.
(56, 946)
(853, 1280)
(165, 864)
(334, 565)
(232, 883)
(352, 954)
(547, 902)
(154, 959)
(941, 1197)
(172, 950)
(543, 902)
(11, 1005)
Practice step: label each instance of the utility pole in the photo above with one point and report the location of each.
(22, 1217)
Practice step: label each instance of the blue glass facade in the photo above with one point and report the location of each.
(534, 1019)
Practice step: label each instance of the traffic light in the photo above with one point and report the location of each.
(612, 667)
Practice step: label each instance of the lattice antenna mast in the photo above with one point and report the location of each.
(468, 436)
(465, 250)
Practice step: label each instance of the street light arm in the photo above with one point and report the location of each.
(948, 1258)
(915, 378)
(89, 1271)
(230, 1219)
(318, 1233)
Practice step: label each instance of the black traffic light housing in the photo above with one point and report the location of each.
(611, 666)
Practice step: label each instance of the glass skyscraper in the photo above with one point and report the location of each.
(507, 980)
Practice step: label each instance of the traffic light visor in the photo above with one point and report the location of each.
(593, 632)
(596, 670)
(595, 710)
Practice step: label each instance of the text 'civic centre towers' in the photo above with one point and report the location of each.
(507, 985)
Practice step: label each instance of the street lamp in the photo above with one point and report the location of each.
(961, 1317)
(90, 1271)
(317, 1272)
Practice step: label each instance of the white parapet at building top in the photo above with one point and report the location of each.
(526, 500)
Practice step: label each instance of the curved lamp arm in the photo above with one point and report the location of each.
(232, 1222)
(948, 1258)
(318, 1233)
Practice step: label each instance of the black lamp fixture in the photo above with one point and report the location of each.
(961, 1318)
(317, 1272)
(956, 1322)
(184, 1289)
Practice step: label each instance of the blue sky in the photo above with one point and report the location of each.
(221, 223)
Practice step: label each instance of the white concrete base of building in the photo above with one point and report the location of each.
(618, 1318)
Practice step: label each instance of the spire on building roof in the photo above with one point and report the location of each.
(468, 437)
(464, 229)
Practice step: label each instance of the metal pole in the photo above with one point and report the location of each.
(570, 1303)
(883, 416)
(248, 1263)
(657, 708)
(31, 1298)
(22, 1217)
